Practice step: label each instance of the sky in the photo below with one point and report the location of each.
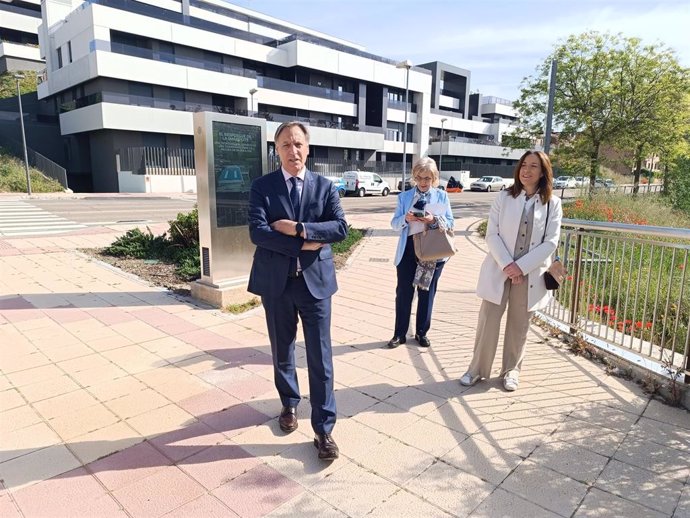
(499, 41)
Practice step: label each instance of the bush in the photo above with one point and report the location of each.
(184, 230)
(679, 184)
(138, 244)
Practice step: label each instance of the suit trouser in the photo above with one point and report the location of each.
(404, 293)
(281, 317)
(514, 338)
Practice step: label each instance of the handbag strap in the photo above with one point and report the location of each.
(546, 224)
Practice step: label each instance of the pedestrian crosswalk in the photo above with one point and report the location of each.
(18, 218)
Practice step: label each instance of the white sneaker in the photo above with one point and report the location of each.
(510, 383)
(468, 380)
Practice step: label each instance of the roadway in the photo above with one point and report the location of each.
(39, 216)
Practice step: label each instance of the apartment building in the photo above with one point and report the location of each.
(19, 21)
(126, 74)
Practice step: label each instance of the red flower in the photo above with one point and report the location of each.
(681, 267)
(648, 325)
(570, 277)
(638, 324)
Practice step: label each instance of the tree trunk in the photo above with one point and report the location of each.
(638, 169)
(593, 169)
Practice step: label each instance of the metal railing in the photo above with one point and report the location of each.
(157, 161)
(627, 292)
(37, 161)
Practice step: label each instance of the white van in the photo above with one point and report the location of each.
(363, 182)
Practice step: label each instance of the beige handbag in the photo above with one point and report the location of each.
(434, 243)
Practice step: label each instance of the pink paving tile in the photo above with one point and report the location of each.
(247, 388)
(21, 315)
(179, 326)
(152, 316)
(205, 507)
(127, 466)
(205, 340)
(235, 419)
(247, 495)
(9, 251)
(111, 315)
(3, 320)
(158, 494)
(75, 493)
(8, 509)
(215, 466)
(213, 400)
(15, 302)
(185, 442)
(66, 315)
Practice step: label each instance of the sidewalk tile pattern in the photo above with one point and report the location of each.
(120, 399)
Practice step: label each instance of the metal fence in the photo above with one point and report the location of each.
(157, 160)
(37, 161)
(627, 292)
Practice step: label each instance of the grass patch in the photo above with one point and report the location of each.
(354, 236)
(481, 228)
(13, 177)
(236, 309)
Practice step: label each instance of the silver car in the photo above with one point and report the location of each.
(488, 184)
(564, 182)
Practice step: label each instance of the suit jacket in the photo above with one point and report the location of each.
(324, 222)
(398, 223)
(501, 234)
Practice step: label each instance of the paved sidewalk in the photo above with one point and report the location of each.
(119, 399)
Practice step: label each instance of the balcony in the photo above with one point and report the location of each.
(402, 105)
(299, 88)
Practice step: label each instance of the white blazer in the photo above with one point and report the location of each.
(501, 234)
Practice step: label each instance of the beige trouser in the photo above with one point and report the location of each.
(488, 327)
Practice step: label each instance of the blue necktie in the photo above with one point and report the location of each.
(294, 199)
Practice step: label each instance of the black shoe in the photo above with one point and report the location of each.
(422, 340)
(396, 341)
(288, 419)
(328, 449)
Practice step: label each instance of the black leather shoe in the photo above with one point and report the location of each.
(328, 449)
(396, 341)
(422, 340)
(288, 419)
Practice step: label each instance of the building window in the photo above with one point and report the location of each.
(69, 50)
(59, 56)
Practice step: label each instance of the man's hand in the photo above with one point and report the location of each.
(513, 271)
(518, 280)
(285, 226)
(311, 245)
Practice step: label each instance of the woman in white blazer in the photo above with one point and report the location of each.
(425, 198)
(522, 234)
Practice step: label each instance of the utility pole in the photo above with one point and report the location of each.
(549, 109)
(21, 122)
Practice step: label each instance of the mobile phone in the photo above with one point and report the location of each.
(418, 213)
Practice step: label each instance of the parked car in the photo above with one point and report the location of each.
(408, 185)
(231, 178)
(488, 184)
(564, 182)
(339, 185)
(364, 182)
(580, 181)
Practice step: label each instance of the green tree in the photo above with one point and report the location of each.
(8, 84)
(586, 105)
(652, 91)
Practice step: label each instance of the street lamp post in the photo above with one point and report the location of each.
(21, 122)
(440, 154)
(407, 64)
(252, 92)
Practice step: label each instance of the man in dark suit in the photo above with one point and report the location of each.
(293, 216)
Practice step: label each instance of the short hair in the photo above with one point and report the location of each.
(425, 165)
(287, 125)
(545, 187)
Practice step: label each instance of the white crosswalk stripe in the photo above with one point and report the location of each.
(18, 218)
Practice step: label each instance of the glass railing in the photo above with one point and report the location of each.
(21, 10)
(401, 105)
(496, 100)
(299, 88)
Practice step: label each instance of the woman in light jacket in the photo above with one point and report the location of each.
(417, 207)
(521, 239)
